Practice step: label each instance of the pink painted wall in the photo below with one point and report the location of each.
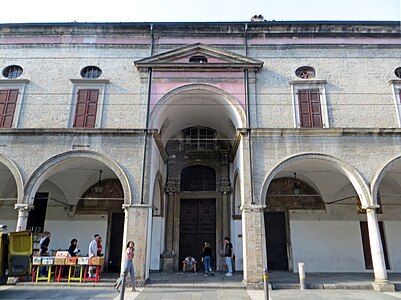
(162, 83)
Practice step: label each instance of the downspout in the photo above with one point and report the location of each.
(147, 118)
(248, 128)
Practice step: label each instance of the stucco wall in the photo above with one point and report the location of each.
(327, 246)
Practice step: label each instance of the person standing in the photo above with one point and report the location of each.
(229, 255)
(99, 246)
(207, 259)
(73, 249)
(43, 251)
(92, 252)
(128, 266)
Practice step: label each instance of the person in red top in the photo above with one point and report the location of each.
(99, 246)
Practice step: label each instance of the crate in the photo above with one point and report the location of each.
(47, 260)
(62, 254)
(83, 260)
(59, 260)
(71, 261)
(36, 260)
(96, 261)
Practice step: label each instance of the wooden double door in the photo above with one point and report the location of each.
(197, 226)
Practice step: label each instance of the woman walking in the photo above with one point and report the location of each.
(128, 266)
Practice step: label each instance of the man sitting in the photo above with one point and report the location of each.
(189, 264)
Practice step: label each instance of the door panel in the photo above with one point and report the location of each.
(276, 241)
(20, 252)
(197, 225)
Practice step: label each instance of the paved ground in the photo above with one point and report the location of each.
(107, 293)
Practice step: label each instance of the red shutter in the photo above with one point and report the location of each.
(85, 113)
(310, 112)
(8, 103)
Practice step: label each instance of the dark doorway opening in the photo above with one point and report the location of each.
(37, 216)
(276, 241)
(197, 226)
(116, 240)
(366, 245)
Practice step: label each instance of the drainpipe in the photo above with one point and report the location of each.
(147, 116)
(248, 125)
(246, 39)
(145, 144)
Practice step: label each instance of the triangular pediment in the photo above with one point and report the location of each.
(214, 59)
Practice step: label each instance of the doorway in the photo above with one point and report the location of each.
(116, 240)
(276, 241)
(197, 225)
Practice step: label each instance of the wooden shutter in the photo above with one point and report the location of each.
(8, 103)
(310, 112)
(85, 113)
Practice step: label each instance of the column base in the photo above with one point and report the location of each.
(383, 286)
(168, 262)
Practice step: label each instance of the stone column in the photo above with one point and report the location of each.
(138, 231)
(253, 231)
(23, 212)
(168, 254)
(376, 248)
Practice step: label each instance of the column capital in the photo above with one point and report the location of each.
(170, 188)
(23, 206)
(127, 206)
(251, 208)
(371, 207)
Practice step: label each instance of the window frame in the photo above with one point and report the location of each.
(309, 84)
(396, 87)
(15, 84)
(88, 84)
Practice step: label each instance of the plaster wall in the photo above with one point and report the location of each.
(393, 240)
(236, 234)
(327, 246)
(81, 228)
(156, 243)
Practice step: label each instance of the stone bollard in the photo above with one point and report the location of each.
(301, 270)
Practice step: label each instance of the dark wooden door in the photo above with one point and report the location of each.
(116, 240)
(366, 245)
(276, 241)
(197, 226)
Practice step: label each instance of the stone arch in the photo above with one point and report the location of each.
(238, 111)
(349, 171)
(379, 177)
(12, 167)
(41, 172)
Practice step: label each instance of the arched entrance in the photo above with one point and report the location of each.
(313, 215)
(76, 195)
(197, 125)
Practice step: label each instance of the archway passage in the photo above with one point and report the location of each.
(312, 216)
(76, 198)
(8, 198)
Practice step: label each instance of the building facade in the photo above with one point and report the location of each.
(283, 136)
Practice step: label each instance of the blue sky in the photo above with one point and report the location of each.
(27, 11)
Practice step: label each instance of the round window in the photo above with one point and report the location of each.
(12, 72)
(305, 72)
(397, 72)
(91, 72)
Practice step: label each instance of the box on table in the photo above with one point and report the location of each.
(96, 261)
(71, 261)
(59, 260)
(36, 260)
(83, 260)
(62, 254)
(47, 260)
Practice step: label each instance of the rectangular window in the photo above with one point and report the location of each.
(8, 103)
(86, 108)
(310, 112)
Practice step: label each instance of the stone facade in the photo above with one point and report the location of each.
(239, 81)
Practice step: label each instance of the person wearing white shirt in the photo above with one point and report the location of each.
(93, 252)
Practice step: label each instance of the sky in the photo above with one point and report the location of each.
(43, 11)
